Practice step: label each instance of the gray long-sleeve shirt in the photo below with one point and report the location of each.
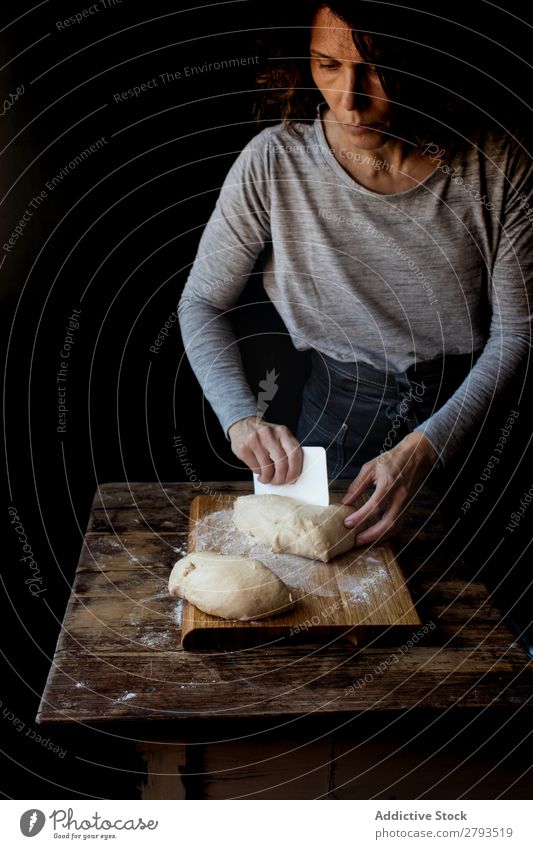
(386, 279)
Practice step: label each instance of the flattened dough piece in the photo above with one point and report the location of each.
(293, 526)
(229, 586)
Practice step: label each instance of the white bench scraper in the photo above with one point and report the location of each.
(311, 486)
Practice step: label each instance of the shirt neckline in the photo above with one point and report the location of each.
(347, 178)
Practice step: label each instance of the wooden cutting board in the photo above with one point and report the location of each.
(360, 595)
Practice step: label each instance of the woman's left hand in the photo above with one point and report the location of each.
(396, 476)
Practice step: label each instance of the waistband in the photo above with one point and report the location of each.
(434, 370)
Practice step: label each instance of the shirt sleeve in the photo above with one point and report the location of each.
(510, 291)
(233, 239)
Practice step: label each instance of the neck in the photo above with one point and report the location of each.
(396, 165)
(392, 156)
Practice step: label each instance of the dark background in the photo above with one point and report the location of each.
(116, 239)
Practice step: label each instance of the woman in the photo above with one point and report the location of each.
(396, 249)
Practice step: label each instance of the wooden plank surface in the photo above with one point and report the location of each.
(119, 654)
(360, 595)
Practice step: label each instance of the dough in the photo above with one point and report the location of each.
(229, 586)
(293, 526)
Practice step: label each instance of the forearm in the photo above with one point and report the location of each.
(231, 243)
(212, 350)
(449, 429)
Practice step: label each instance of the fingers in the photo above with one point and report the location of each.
(367, 522)
(276, 472)
(396, 475)
(374, 505)
(379, 531)
(386, 527)
(257, 459)
(294, 453)
(272, 452)
(364, 479)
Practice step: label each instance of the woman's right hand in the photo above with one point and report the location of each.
(269, 450)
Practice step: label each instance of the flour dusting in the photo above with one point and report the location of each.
(358, 591)
(125, 697)
(217, 532)
(178, 611)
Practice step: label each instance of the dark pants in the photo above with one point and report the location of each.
(355, 411)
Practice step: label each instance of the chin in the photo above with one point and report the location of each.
(366, 138)
(368, 141)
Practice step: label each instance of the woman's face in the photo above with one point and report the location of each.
(352, 89)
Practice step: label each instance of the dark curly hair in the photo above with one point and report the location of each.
(423, 80)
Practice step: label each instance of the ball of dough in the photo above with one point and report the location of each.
(293, 526)
(229, 586)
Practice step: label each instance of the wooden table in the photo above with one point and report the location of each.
(442, 717)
